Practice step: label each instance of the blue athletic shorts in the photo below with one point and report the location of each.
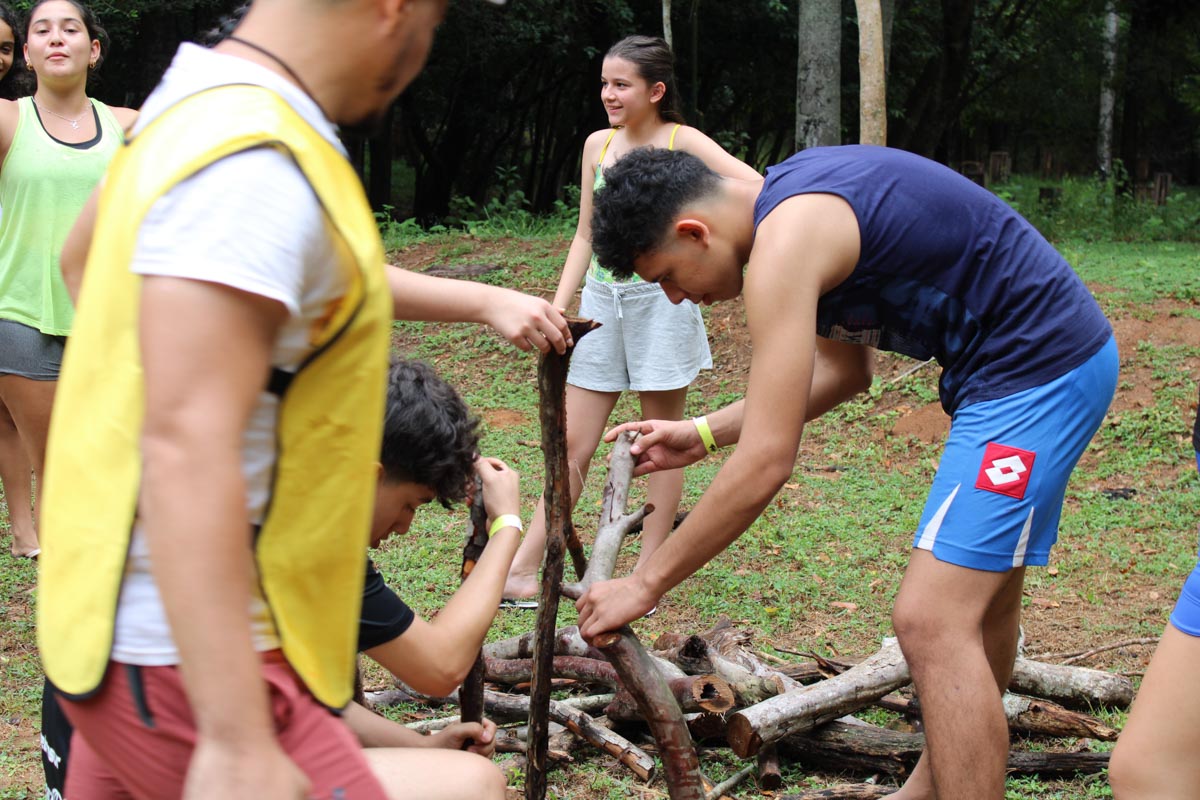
(1186, 616)
(999, 488)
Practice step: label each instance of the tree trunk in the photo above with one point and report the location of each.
(872, 100)
(666, 20)
(819, 74)
(1108, 93)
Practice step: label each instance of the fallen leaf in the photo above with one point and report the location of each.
(845, 605)
(1042, 602)
(1052, 571)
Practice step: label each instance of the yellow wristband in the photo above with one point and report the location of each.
(701, 423)
(504, 521)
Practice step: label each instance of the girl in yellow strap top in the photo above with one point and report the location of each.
(647, 345)
(41, 192)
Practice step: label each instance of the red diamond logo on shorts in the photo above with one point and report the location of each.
(1005, 470)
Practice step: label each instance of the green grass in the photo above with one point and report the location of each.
(839, 531)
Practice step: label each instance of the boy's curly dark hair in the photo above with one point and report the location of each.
(643, 193)
(429, 436)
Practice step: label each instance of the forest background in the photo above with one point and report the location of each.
(498, 119)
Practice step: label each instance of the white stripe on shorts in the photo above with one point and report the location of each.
(929, 535)
(1023, 542)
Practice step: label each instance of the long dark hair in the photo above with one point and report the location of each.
(13, 84)
(90, 21)
(656, 64)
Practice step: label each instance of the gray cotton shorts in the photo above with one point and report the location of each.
(29, 353)
(647, 344)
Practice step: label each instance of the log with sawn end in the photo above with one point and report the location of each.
(810, 706)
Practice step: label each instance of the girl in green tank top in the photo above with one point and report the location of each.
(647, 345)
(54, 148)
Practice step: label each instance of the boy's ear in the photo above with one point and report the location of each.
(692, 230)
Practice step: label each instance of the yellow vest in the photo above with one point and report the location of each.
(310, 548)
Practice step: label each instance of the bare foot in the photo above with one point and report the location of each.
(520, 586)
(25, 545)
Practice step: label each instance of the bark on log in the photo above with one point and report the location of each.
(585, 670)
(694, 693)
(659, 709)
(810, 706)
(871, 750)
(1031, 716)
(552, 385)
(851, 791)
(567, 642)
(707, 727)
(694, 654)
(470, 696)
(1074, 687)
(769, 776)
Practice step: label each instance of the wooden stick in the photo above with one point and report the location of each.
(729, 784)
(810, 706)
(471, 694)
(567, 642)
(1081, 655)
(615, 524)
(585, 670)
(659, 709)
(552, 385)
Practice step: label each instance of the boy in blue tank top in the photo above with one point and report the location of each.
(841, 251)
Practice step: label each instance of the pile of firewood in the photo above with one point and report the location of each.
(730, 697)
(713, 689)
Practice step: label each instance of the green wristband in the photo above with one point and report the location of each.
(701, 423)
(505, 521)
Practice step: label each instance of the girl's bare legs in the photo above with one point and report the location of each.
(29, 402)
(587, 416)
(16, 475)
(1155, 757)
(665, 488)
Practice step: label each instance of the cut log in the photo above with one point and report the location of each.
(862, 749)
(810, 706)
(851, 791)
(1074, 687)
(660, 711)
(769, 776)
(694, 693)
(869, 749)
(585, 670)
(552, 386)
(694, 655)
(1031, 716)
(567, 642)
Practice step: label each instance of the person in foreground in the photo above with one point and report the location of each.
(232, 337)
(849, 249)
(1155, 757)
(428, 453)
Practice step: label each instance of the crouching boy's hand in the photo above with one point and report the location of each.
(501, 488)
(482, 736)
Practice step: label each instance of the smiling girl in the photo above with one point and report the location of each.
(647, 344)
(54, 148)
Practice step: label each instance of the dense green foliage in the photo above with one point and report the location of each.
(510, 92)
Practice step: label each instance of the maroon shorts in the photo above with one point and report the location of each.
(134, 737)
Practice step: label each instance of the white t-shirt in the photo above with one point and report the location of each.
(251, 221)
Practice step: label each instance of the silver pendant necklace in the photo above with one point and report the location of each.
(74, 122)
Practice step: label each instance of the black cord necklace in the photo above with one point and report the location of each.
(282, 64)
